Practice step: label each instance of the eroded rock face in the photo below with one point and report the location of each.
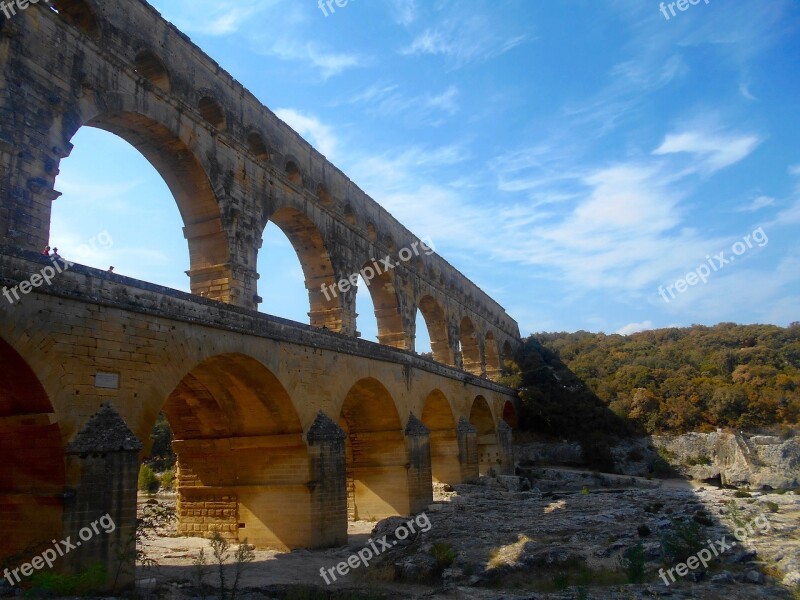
(738, 459)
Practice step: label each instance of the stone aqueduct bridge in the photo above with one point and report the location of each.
(282, 429)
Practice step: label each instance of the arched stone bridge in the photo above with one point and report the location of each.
(282, 429)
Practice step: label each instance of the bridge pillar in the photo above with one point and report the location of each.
(100, 506)
(328, 482)
(493, 373)
(273, 490)
(467, 449)
(443, 351)
(27, 164)
(445, 456)
(395, 339)
(326, 305)
(348, 313)
(201, 490)
(505, 445)
(420, 480)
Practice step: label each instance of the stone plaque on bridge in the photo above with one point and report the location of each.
(106, 381)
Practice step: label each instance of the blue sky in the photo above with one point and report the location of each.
(570, 157)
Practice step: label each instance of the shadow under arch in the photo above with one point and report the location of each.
(150, 66)
(381, 286)
(510, 415)
(240, 448)
(436, 322)
(480, 416)
(33, 476)
(77, 13)
(325, 303)
(377, 480)
(437, 416)
(192, 191)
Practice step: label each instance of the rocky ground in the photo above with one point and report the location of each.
(556, 534)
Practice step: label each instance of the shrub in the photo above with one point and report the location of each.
(666, 454)
(585, 491)
(683, 540)
(633, 561)
(167, 479)
(561, 581)
(772, 506)
(161, 455)
(698, 460)
(643, 530)
(742, 494)
(148, 482)
(444, 554)
(82, 584)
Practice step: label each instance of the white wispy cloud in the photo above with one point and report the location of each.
(789, 215)
(404, 12)
(744, 90)
(317, 133)
(464, 36)
(319, 57)
(634, 328)
(88, 192)
(459, 48)
(757, 204)
(389, 99)
(212, 17)
(716, 150)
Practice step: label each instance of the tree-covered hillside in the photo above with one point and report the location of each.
(695, 378)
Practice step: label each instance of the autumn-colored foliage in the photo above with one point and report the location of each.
(689, 379)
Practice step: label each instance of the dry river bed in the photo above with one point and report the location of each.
(562, 539)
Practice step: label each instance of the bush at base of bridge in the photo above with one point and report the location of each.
(148, 482)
